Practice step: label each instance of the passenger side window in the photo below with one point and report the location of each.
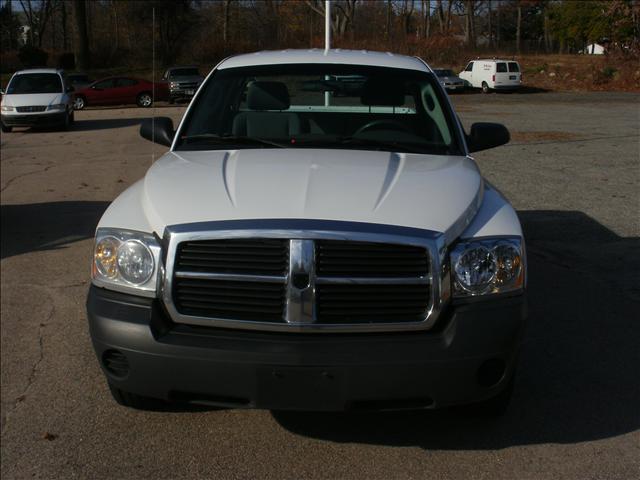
(109, 83)
(469, 67)
(126, 82)
(501, 67)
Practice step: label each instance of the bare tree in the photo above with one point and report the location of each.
(518, 25)
(38, 15)
(342, 14)
(82, 37)
(225, 23)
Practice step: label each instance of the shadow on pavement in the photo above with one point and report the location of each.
(578, 370)
(47, 226)
(83, 125)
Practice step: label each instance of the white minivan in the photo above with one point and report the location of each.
(37, 98)
(492, 75)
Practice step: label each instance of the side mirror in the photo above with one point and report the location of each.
(1, 91)
(158, 130)
(487, 135)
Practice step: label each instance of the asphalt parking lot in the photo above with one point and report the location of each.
(572, 171)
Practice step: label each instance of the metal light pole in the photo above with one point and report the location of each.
(327, 25)
(327, 39)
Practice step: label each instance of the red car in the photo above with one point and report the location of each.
(119, 91)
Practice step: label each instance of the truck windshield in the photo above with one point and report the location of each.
(320, 106)
(35, 83)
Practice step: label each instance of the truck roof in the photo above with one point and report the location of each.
(492, 60)
(38, 70)
(316, 55)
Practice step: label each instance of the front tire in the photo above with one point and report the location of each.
(6, 129)
(485, 88)
(79, 103)
(144, 100)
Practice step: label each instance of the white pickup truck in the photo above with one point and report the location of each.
(297, 249)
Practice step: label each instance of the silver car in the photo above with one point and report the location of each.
(449, 80)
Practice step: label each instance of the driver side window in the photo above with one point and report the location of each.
(469, 67)
(104, 84)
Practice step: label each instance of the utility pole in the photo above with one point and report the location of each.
(327, 40)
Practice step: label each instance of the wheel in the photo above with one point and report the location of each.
(172, 101)
(6, 129)
(72, 117)
(131, 400)
(79, 103)
(495, 406)
(485, 88)
(144, 100)
(66, 122)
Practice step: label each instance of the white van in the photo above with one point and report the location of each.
(492, 75)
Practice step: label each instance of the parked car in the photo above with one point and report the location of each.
(37, 97)
(183, 82)
(117, 91)
(78, 80)
(295, 250)
(492, 75)
(449, 80)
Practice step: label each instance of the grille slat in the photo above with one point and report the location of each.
(371, 303)
(259, 256)
(345, 258)
(232, 299)
(235, 300)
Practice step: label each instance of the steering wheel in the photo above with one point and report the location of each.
(395, 125)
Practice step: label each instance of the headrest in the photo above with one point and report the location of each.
(268, 96)
(383, 91)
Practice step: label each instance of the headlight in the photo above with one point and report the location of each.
(487, 266)
(7, 108)
(127, 261)
(57, 106)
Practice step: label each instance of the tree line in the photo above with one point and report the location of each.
(103, 34)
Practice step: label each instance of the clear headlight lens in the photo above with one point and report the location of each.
(57, 106)
(126, 261)
(487, 266)
(7, 108)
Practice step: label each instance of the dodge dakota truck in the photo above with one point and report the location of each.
(300, 250)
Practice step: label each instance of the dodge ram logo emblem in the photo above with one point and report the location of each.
(300, 280)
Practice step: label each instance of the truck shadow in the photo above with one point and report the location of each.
(578, 371)
(47, 226)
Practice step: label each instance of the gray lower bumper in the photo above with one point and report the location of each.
(308, 371)
(44, 119)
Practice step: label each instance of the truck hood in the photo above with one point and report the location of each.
(187, 78)
(439, 193)
(29, 99)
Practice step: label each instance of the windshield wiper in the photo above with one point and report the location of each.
(212, 138)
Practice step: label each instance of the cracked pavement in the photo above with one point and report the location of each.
(576, 408)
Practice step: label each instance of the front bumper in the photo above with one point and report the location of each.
(454, 88)
(34, 119)
(444, 366)
(182, 92)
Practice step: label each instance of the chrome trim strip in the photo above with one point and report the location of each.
(300, 229)
(231, 277)
(374, 281)
(300, 301)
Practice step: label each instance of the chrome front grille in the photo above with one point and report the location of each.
(302, 279)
